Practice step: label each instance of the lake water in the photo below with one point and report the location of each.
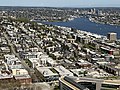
(86, 25)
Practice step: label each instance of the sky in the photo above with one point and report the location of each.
(61, 3)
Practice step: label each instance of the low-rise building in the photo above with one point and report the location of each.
(19, 72)
(83, 64)
(81, 83)
(23, 79)
(5, 77)
(49, 73)
(79, 72)
(63, 71)
(5, 49)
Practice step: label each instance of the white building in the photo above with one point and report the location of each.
(63, 71)
(112, 36)
(48, 74)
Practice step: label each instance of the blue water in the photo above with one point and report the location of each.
(86, 25)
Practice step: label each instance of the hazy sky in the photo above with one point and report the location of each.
(62, 3)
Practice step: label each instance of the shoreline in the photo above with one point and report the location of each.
(86, 30)
(98, 22)
(79, 30)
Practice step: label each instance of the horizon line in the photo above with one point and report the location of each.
(65, 7)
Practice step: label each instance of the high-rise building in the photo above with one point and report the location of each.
(112, 36)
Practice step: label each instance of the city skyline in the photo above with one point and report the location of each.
(59, 44)
(61, 3)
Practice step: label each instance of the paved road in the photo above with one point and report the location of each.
(17, 55)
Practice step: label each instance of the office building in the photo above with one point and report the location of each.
(112, 36)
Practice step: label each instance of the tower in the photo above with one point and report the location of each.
(112, 36)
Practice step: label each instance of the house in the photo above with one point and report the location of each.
(5, 49)
(51, 62)
(107, 50)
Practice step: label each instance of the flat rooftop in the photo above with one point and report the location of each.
(63, 71)
(22, 76)
(46, 71)
(68, 81)
(112, 82)
(4, 76)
